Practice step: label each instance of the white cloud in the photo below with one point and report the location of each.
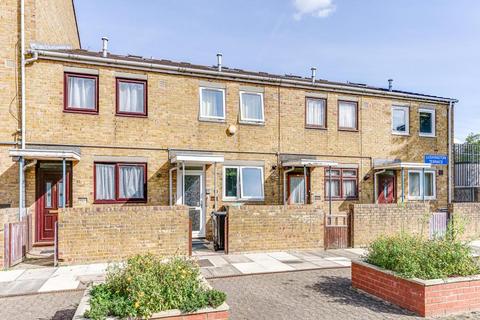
(316, 8)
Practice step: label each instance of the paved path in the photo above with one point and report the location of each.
(319, 294)
(50, 279)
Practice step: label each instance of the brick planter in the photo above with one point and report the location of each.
(424, 297)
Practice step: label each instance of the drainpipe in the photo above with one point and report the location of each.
(330, 191)
(450, 153)
(305, 197)
(183, 183)
(21, 196)
(285, 184)
(64, 182)
(170, 185)
(214, 186)
(375, 186)
(403, 185)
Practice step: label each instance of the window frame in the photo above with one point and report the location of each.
(117, 183)
(422, 184)
(240, 196)
(313, 126)
(341, 178)
(212, 118)
(143, 114)
(251, 121)
(66, 107)
(407, 120)
(356, 116)
(433, 119)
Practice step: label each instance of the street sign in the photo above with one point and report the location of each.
(440, 159)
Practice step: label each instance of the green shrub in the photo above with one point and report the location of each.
(412, 256)
(145, 284)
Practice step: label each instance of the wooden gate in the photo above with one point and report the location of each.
(438, 224)
(17, 241)
(337, 231)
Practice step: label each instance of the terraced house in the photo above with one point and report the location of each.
(99, 130)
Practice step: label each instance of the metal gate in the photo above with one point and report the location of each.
(337, 231)
(438, 224)
(17, 241)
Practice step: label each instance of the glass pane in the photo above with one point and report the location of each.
(212, 103)
(81, 93)
(349, 173)
(350, 188)
(414, 184)
(252, 107)
(131, 97)
(252, 186)
(131, 181)
(316, 112)
(332, 172)
(60, 194)
(192, 190)
(231, 175)
(105, 182)
(48, 194)
(335, 188)
(399, 120)
(297, 189)
(195, 216)
(347, 117)
(426, 122)
(429, 176)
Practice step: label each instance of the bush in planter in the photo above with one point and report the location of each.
(145, 285)
(412, 256)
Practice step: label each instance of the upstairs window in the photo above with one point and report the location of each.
(341, 183)
(131, 97)
(347, 115)
(212, 104)
(400, 120)
(243, 183)
(251, 107)
(315, 113)
(427, 122)
(81, 93)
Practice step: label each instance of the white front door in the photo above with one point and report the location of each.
(193, 197)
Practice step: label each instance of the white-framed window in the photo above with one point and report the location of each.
(426, 119)
(243, 183)
(251, 107)
(421, 185)
(400, 120)
(315, 113)
(347, 115)
(212, 103)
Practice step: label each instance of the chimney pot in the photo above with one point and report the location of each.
(314, 74)
(390, 84)
(219, 61)
(104, 47)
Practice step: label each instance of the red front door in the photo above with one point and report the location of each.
(49, 199)
(386, 188)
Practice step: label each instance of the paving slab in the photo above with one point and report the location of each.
(20, 287)
(37, 274)
(224, 271)
(10, 275)
(236, 258)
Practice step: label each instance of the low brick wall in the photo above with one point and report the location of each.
(114, 233)
(425, 297)
(468, 214)
(269, 227)
(7, 215)
(369, 221)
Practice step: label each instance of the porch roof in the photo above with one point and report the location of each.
(309, 163)
(196, 157)
(45, 154)
(397, 165)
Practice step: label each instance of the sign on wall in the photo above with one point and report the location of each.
(436, 159)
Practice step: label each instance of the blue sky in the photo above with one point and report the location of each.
(427, 46)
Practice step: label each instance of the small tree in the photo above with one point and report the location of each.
(473, 138)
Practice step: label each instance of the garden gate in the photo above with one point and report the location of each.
(337, 231)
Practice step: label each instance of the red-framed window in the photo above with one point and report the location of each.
(347, 117)
(131, 97)
(315, 113)
(343, 182)
(80, 93)
(119, 182)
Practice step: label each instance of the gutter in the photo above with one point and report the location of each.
(307, 84)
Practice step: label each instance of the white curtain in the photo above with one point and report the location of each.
(252, 107)
(81, 93)
(212, 103)
(349, 188)
(414, 184)
(316, 112)
(428, 184)
(105, 182)
(131, 180)
(297, 190)
(334, 188)
(131, 97)
(347, 117)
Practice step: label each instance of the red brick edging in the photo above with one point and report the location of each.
(424, 297)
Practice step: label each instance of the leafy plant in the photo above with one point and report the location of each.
(145, 284)
(412, 256)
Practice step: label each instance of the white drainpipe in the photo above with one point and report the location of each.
(450, 152)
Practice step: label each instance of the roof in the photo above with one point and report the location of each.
(79, 54)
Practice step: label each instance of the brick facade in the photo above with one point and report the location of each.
(425, 297)
(272, 228)
(369, 221)
(468, 215)
(114, 233)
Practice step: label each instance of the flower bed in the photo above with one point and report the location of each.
(149, 287)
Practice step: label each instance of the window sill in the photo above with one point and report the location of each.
(212, 120)
(315, 127)
(81, 111)
(132, 115)
(422, 199)
(119, 201)
(341, 199)
(243, 200)
(405, 134)
(252, 123)
(348, 130)
(425, 135)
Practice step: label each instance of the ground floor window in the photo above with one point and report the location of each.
(242, 183)
(421, 185)
(120, 182)
(341, 183)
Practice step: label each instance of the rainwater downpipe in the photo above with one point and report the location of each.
(450, 148)
(170, 185)
(285, 184)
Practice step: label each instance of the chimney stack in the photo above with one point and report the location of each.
(390, 84)
(104, 47)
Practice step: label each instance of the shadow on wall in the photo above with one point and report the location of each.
(9, 187)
